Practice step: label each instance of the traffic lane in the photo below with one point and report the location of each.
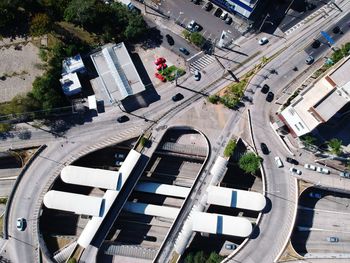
(330, 201)
(184, 11)
(344, 28)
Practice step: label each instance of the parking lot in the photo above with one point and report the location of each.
(183, 11)
(322, 224)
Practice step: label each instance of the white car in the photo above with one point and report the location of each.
(315, 195)
(224, 15)
(20, 224)
(197, 75)
(119, 156)
(191, 24)
(322, 170)
(119, 163)
(295, 171)
(263, 41)
(278, 162)
(310, 167)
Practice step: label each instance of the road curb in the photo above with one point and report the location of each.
(13, 191)
(283, 143)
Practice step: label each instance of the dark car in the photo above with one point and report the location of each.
(170, 39)
(292, 161)
(270, 96)
(208, 6)
(177, 97)
(123, 118)
(218, 12)
(316, 44)
(196, 2)
(336, 30)
(184, 50)
(265, 89)
(264, 148)
(228, 20)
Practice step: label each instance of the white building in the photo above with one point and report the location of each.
(73, 64)
(319, 102)
(70, 84)
(117, 73)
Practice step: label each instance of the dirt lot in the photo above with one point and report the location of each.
(17, 69)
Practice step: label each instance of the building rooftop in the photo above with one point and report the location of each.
(73, 64)
(70, 84)
(117, 73)
(319, 102)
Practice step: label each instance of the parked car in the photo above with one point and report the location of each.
(263, 41)
(191, 25)
(333, 239)
(20, 224)
(278, 162)
(208, 6)
(177, 97)
(197, 28)
(265, 89)
(159, 61)
(310, 167)
(322, 170)
(160, 77)
(184, 50)
(336, 30)
(228, 20)
(344, 174)
(119, 155)
(224, 15)
(295, 171)
(161, 66)
(292, 161)
(123, 118)
(170, 39)
(119, 163)
(197, 75)
(315, 195)
(230, 246)
(309, 60)
(316, 44)
(218, 12)
(270, 96)
(264, 148)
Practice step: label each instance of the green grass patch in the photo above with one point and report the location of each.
(1, 224)
(78, 32)
(170, 72)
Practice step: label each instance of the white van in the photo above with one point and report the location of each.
(278, 162)
(224, 15)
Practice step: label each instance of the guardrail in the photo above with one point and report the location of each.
(13, 191)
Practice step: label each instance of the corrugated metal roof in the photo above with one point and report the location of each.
(152, 210)
(163, 189)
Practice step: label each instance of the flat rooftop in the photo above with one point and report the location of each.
(117, 73)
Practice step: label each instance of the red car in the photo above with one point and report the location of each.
(159, 61)
(161, 66)
(159, 76)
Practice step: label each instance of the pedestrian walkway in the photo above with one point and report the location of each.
(201, 63)
(131, 251)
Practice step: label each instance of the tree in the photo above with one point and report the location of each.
(199, 257)
(81, 12)
(189, 258)
(249, 162)
(40, 24)
(214, 258)
(230, 148)
(197, 39)
(335, 146)
(135, 28)
(214, 99)
(308, 140)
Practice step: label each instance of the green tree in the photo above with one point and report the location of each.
(199, 257)
(186, 34)
(214, 258)
(81, 12)
(5, 127)
(230, 148)
(214, 99)
(335, 146)
(197, 39)
(189, 258)
(40, 24)
(136, 27)
(249, 162)
(308, 140)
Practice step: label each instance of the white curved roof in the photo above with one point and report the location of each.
(163, 189)
(152, 210)
(94, 224)
(99, 178)
(77, 203)
(218, 169)
(221, 224)
(235, 198)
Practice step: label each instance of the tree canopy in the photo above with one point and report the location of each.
(335, 146)
(249, 162)
(40, 24)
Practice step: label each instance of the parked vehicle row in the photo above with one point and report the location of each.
(316, 168)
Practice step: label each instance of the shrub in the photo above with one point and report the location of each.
(249, 162)
(197, 39)
(214, 99)
(40, 24)
(230, 148)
